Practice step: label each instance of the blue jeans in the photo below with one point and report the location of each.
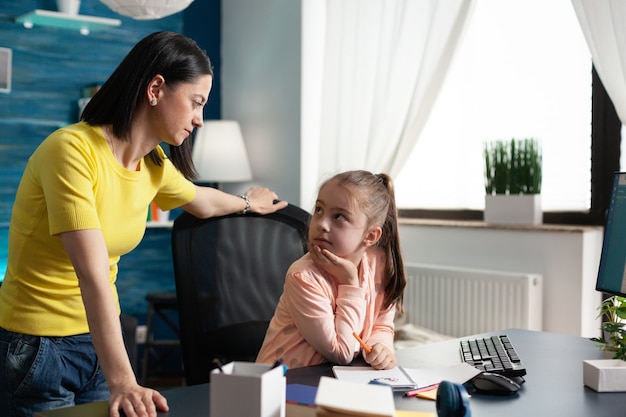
(42, 373)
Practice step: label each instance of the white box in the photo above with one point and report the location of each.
(248, 389)
(513, 209)
(605, 375)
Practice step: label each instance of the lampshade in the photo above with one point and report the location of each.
(147, 9)
(219, 152)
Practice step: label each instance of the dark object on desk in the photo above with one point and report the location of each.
(452, 400)
(229, 274)
(611, 270)
(494, 354)
(494, 384)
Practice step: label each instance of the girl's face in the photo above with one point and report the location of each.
(337, 224)
(180, 109)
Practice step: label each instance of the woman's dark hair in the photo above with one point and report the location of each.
(374, 194)
(172, 55)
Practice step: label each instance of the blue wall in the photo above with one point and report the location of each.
(50, 69)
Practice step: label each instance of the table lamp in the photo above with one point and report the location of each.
(219, 153)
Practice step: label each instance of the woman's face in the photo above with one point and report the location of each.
(337, 223)
(181, 109)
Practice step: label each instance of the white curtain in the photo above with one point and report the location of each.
(372, 70)
(603, 23)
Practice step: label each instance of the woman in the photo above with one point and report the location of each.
(81, 204)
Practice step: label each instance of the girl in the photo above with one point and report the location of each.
(352, 279)
(81, 204)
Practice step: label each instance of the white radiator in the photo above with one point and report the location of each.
(459, 302)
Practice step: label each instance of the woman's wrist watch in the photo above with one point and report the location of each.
(247, 200)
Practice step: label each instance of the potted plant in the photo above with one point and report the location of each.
(613, 339)
(513, 175)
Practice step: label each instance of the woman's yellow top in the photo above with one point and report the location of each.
(73, 182)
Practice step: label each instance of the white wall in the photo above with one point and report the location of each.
(261, 43)
(566, 256)
(261, 58)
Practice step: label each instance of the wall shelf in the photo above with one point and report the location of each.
(84, 24)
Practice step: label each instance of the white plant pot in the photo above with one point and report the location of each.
(605, 375)
(70, 7)
(513, 209)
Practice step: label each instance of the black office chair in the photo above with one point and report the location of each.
(229, 274)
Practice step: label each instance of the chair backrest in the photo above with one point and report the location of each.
(229, 274)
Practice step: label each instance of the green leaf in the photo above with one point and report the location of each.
(513, 166)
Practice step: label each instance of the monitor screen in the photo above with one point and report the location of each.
(612, 271)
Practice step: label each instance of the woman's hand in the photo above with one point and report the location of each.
(342, 270)
(211, 202)
(136, 401)
(381, 357)
(264, 201)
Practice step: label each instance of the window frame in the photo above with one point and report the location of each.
(605, 156)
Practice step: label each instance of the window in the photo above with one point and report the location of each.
(516, 76)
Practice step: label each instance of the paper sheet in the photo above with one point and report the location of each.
(355, 399)
(460, 374)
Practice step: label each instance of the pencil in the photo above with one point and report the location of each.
(367, 348)
(417, 391)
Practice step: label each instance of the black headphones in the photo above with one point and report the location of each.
(452, 400)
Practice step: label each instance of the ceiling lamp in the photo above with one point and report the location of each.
(147, 9)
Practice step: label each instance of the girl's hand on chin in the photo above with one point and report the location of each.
(344, 271)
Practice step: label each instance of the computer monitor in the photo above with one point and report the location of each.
(612, 271)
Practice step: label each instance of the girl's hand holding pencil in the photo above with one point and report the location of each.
(363, 344)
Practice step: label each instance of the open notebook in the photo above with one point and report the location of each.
(397, 378)
(405, 379)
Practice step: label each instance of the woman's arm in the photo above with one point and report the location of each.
(88, 253)
(211, 202)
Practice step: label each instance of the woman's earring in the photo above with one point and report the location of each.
(153, 102)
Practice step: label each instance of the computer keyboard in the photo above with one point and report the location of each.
(493, 354)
